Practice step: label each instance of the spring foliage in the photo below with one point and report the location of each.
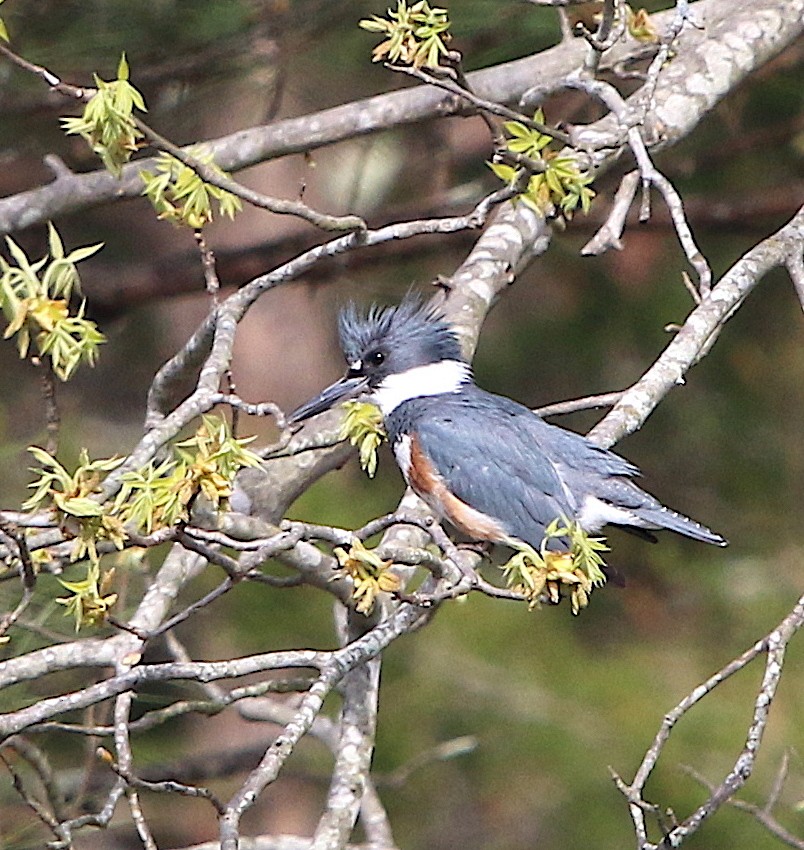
(107, 123)
(558, 184)
(36, 298)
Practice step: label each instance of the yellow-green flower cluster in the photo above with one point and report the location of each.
(561, 184)
(161, 494)
(179, 195)
(35, 299)
(363, 428)
(538, 576)
(107, 122)
(89, 601)
(417, 35)
(71, 496)
(369, 573)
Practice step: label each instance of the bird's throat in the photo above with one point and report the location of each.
(446, 376)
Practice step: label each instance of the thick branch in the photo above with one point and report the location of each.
(733, 42)
(699, 332)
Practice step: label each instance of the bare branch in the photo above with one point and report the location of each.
(332, 671)
(586, 403)
(773, 645)
(649, 174)
(40, 763)
(257, 199)
(762, 814)
(30, 801)
(165, 786)
(357, 726)
(698, 332)
(609, 235)
(795, 268)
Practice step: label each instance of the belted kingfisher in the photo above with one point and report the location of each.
(491, 467)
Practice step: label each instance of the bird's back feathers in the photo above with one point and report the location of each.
(470, 435)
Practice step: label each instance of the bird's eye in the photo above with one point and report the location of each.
(376, 358)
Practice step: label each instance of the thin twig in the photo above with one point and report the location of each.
(52, 415)
(454, 748)
(650, 175)
(165, 786)
(590, 402)
(610, 30)
(609, 235)
(40, 763)
(773, 646)
(275, 205)
(30, 801)
(481, 103)
(762, 814)
(698, 332)
(27, 574)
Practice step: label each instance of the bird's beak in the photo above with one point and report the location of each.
(341, 390)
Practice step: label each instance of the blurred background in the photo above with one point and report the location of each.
(550, 700)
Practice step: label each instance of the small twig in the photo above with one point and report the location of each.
(610, 233)
(265, 408)
(229, 565)
(52, 415)
(762, 814)
(518, 160)
(590, 402)
(12, 616)
(675, 205)
(173, 621)
(778, 781)
(455, 71)
(773, 645)
(681, 16)
(30, 801)
(40, 763)
(213, 285)
(205, 172)
(481, 103)
(463, 578)
(285, 539)
(209, 707)
(454, 748)
(99, 819)
(27, 574)
(650, 175)
(344, 536)
(54, 83)
(231, 390)
(166, 786)
(257, 199)
(609, 31)
(690, 287)
(698, 332)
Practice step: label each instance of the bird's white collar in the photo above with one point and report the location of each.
(446, 376)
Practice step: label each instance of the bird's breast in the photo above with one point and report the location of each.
(422, 476)
(401, 448)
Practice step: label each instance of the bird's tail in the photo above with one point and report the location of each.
(662, 517)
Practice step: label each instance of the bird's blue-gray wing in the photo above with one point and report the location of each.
(491, 463)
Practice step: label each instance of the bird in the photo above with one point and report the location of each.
(488, 465)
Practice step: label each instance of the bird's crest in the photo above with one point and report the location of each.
(413, 323)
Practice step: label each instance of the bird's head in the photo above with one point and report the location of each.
(393, 354)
